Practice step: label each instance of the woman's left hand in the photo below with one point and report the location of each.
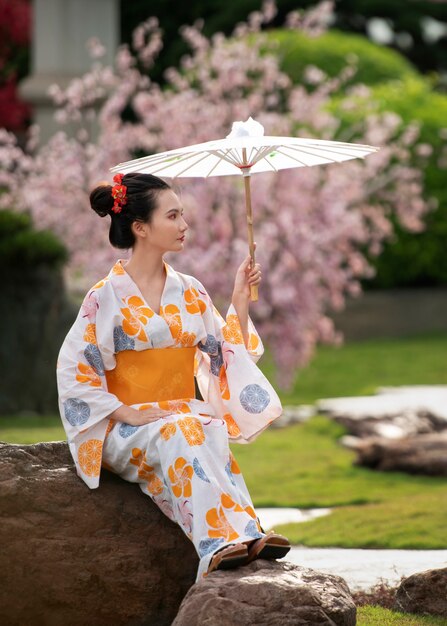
(245, 277)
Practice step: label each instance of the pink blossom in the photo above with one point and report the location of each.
(312, 225)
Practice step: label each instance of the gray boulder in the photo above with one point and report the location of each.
(424, 593)
(268, 593)
(74, 556)
(421, 454)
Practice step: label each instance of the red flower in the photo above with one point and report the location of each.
(119, 193)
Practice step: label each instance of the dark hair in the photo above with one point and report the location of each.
(141, 195)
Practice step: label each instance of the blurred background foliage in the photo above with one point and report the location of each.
(32, 261)
(413, 28)
(406, 75)
(23, 249)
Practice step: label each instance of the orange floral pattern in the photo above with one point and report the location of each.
(180, 474)
(192, 430)
(175, 406)
(90, 334)
(118, 269)
(232, 427)
(232, 330)
(146, 472)
(253, 342)
(171, 315)
(168, 430)
(89, 457)
(234, 467)
(223, 384)
(154, 485)
(194, 304)
(100, 284)
(136, 316)
(219, 525)
(110, 426)
(87, 374)
(187, 339)
(228, 503)
(136, 457)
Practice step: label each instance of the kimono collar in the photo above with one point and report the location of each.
(125, 285)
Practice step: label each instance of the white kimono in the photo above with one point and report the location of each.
(119, 351)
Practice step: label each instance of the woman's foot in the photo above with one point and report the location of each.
(271, 546)
(229, 557)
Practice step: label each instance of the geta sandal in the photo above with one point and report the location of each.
(229, 557)
(271, 546)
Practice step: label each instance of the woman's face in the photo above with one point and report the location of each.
(166, 231)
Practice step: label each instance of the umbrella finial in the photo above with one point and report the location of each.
(250, 128)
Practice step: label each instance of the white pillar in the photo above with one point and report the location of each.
(61, 29)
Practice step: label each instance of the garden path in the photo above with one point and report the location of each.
(361, 568)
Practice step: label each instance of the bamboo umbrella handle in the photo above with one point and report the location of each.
(253, 288)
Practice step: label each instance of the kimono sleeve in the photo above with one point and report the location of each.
(84, 401)
(228, 377)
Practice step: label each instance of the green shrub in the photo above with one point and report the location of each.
(333, 50)
(412, 259)
(22, 247)
(409, 259)
(35, 314)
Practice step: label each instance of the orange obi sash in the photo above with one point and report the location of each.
(153, 375)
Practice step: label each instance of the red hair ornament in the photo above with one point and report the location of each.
(119, 193)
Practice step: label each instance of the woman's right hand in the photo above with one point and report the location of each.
(133, 417)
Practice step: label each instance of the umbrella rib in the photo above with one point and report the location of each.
(213, 168)
(153, 158)
(225, 157)
(262, 152)
(329, 144)
(228, 156)
(320, 156)
(337, 149)
(186, 158)
(271, 164)
(289, 156)
(326, 149)
(202, 157)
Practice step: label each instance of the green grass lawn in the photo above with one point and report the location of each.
(305, 466)
(359, 368)
(31, 428)
(376, 616)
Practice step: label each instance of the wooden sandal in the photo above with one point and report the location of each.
(271, 546)
(229, 557)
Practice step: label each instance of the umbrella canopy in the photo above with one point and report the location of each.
(245, 151)
(225, 157)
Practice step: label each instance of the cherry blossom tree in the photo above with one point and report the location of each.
(315, 227)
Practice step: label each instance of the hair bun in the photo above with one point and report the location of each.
(101, 199)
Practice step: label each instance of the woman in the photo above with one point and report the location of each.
(126, 373)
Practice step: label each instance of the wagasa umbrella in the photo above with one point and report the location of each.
(245, 151)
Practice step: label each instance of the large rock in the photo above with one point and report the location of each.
(422, 454)
(74, 556)
(423, 593)
(268, 593)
